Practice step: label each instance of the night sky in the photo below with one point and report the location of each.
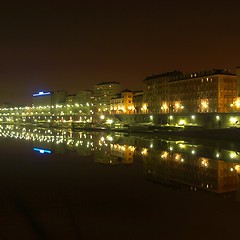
(73, 45)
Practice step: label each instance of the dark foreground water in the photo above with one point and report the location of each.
(94, 186)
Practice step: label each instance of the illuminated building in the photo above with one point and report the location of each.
(238, 81)
(122, 103)
(71, 99)
(59, 97)
(171, 98)
(236, 102)
(138, 102)
(42, 99)
(102, 93)
(207, 91)
(156, 91)
(83, 97)
(49, 98)
(174, 92)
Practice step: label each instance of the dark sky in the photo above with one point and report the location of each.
(73, 45)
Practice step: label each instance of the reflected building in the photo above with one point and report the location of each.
(56, 140)
(176, 169)
(125, 152)
(170, 163)
(108, 153)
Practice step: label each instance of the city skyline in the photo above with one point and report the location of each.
(74, 46)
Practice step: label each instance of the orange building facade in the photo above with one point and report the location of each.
(122, 103)
(174, 92)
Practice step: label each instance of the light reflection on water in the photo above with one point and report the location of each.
(80, 185)
(171, 163)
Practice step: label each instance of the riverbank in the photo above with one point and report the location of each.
(223, 134)
(226, 134)
(229, 134)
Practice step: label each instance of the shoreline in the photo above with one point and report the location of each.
(225, 134)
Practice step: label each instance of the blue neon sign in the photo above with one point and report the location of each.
(41, 94)
(42, 151)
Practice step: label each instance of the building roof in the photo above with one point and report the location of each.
(126, 90)
(119, 95)
(138, 92)
(163, 75)
(106, 83)
(177, 75)
(202, 74)
(211, 72)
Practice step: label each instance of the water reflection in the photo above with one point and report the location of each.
(171, 163)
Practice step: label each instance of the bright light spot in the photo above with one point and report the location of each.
(109, 138)
(109, 121)
(232, 155)
(164, 106)
(204, 104)
(164, 154)
(182, 122)
(237, 168)
(41, 94)
(42, 150)
(204, 162)
(144, 151)
(233, 120)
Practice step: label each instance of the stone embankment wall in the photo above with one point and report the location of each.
(205, 120)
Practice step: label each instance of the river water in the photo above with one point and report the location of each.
(59, 184)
